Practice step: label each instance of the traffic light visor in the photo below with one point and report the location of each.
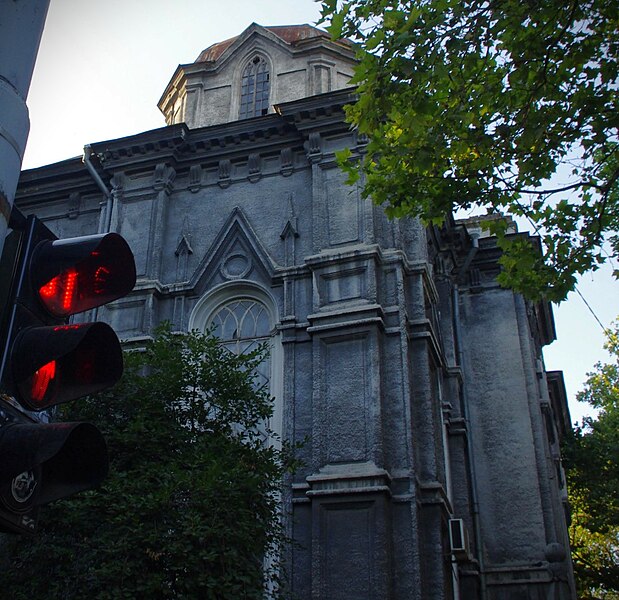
(77, 274)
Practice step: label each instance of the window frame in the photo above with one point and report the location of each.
(215, 299)
(255, 102)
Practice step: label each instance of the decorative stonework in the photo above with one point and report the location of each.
(235, 253)
(314, 146)
(183, 252)
(360, 139)
(475, 279)
(195, 178)
(286, 158)
(254, 167)
(184, 246)
(224, 173)
(74, 205)
(118, 182)
(164, 177)
(235, 266)
(289, 234)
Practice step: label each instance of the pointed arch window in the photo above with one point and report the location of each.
(242, 325)
(255, 87)
(243, 316)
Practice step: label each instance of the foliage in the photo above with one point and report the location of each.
(477, 104)
(592, 464)
(190, 508)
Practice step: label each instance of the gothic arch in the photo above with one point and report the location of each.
(245, 63)
(256, 315)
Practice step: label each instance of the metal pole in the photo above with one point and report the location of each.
(21, 28)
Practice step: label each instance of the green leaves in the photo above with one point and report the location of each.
(190, 508)
(487, 106)
(591, 460)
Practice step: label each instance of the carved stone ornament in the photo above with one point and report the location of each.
(74, 205)
(164, 176)
(286, 158)
(361, 139)
(118, 182)
(290, 227)
(184, 246)
(224, 173)
(314, 146)
(235, 266)
(195, 178)
(254, 167)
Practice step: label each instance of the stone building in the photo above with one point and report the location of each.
(432, 465)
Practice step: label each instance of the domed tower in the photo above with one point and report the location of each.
(245, 76)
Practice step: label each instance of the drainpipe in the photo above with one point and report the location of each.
(474, 234)
(106, 216)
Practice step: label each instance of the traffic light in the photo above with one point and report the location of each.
(46, 361)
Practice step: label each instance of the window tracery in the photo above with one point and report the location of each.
(242, 325)
(243, 315)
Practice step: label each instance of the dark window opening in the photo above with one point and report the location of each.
(255, 84)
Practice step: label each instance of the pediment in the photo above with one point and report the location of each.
(253, 37)
(235, 254)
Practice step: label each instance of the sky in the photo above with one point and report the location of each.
(103, 66)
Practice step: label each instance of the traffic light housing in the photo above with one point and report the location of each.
(46, 361)
(42, 463)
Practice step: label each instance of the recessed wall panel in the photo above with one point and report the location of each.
(344, 364)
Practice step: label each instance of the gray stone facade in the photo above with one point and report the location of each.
(418, 382)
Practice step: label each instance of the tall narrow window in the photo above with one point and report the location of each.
(255, 89)
(243, 316)
(242, 325)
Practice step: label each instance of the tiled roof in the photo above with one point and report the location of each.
(291, 34)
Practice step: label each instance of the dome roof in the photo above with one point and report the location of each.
(305, 61)
(291, 34)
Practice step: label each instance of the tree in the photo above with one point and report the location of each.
(591, 459)
(494, 105)
(190, 508)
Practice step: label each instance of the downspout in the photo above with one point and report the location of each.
(106, 217)
(475, 234)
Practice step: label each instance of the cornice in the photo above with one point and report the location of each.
(318, 111)
(293, 127)
(180, 145)
(54, 182)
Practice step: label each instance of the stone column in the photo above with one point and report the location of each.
(164, 177)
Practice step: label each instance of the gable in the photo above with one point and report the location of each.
(236, 254)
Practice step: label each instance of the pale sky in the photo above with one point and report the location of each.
(103, 65)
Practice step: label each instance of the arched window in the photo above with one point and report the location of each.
(242, 325)
(243, 315)
(255, 84)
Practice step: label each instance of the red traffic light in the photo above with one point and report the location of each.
(61, 363)
(77, 274)
(44, 361)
